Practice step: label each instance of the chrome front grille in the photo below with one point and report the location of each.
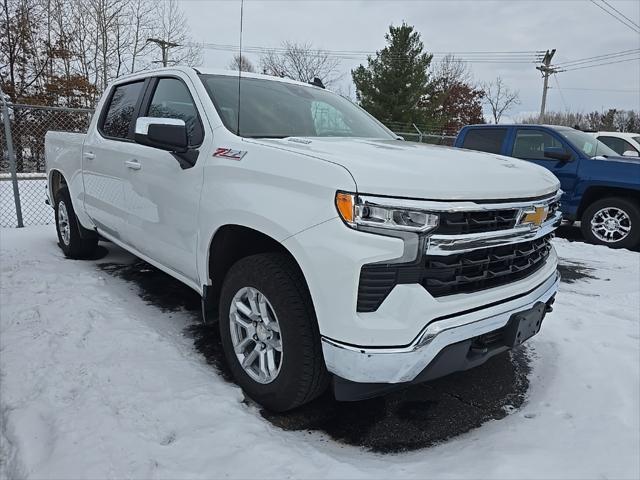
(477, 246)
(458, 223)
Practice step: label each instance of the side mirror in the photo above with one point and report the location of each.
(631, 153)
(164, 133)
(557, 153)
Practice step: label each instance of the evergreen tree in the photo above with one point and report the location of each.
(396, 81)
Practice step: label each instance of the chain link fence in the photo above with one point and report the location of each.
(23, 183)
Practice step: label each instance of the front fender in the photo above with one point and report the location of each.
(275, 193)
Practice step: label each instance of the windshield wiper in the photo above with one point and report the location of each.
(266, 136)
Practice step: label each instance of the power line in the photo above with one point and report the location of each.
(599, 64)
(601, 90)
(468, 56)
(620, 19)
(555, 77)
(621, 14)
(221, 46)
(596, 58)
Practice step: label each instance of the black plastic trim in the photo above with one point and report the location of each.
(499, 266)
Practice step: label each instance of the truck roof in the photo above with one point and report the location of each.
(210, 71)
(616, 134)
(518, 125)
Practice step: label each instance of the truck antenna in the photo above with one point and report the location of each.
(240, 64)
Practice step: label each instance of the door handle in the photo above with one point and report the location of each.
(89, 155)
(133, 164)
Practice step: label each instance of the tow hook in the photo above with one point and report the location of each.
(549, 305)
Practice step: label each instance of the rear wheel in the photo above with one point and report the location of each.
(269, 332)
(613, 221)
(70, 240)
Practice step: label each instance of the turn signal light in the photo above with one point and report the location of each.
(345, 204)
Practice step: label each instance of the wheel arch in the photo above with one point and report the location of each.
(55, 183)
(595, 193)
(229, 244)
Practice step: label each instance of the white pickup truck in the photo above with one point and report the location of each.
(329, 250)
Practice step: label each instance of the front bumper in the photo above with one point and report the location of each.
(382, 365)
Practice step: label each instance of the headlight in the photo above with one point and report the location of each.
(370, 211)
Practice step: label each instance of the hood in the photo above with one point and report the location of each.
(414, 170)
(619, 159)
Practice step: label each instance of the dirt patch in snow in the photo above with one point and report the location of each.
(415, 417)
(156, 287)
(574, 271)
(419, 416)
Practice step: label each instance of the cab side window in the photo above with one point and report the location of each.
(171, 99)
(119, 113)
(530, 144)
(485, 139)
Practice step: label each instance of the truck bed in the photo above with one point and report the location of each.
(63, 153)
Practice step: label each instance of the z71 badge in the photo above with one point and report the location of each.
(230, 154)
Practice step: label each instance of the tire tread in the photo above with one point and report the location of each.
(282, 271)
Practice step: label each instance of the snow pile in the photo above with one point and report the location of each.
(98, 384)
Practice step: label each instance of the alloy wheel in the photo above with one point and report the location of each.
(63, 223)
(611, 224)
(255, 335)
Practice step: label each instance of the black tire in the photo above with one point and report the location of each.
(72, 243)
(629, 207)
(303, 375)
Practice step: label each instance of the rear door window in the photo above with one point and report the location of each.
(485, 139)
(120, 110)
(530, 144)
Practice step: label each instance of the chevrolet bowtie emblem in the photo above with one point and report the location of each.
(535, 216)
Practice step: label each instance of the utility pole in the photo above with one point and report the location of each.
(546, 70)
(164, 45)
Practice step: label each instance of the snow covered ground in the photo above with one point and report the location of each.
(98, 383)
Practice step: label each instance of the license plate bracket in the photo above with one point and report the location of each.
(524, 325)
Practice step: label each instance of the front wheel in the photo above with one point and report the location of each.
(613, 221)
(269, 332)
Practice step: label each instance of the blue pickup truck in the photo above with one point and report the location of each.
(601, 188)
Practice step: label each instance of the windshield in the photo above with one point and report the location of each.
(590, 146)
(273, 109)
(637, 139)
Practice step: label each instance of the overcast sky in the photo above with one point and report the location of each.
(576, 28)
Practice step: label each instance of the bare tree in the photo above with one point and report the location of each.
(140, 13)
(452, 71)
(171, 26)
(241, 63)
(500, 98)
(65, 52)
(24, 58)
(301, 62)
